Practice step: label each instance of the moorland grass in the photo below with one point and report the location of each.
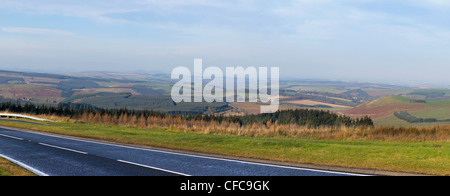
(429, 157)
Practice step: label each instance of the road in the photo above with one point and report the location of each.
(49, 155)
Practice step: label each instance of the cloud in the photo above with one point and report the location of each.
(92, 10)
(183, 3)
(434, 4)
(243, 31)
(37, 31)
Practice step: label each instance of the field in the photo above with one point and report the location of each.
(316, 103)
(417, 157)
(382, 111)
(435, 109)
(160, 103)
(107, 90)
(152, 92)
(36, 93)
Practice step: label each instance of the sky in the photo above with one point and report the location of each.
(389, 41)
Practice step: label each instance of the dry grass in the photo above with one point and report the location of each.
(433, 134)
(10, 169)
(333, 147)
(391, 134)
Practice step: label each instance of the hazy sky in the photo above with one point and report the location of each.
(406, 41)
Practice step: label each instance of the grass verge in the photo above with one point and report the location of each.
(416, 157)
(10, 169)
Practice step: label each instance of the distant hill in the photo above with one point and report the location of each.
(160, 103)
(430, 94)
(101, 89)
(382, 110)
(357, 93)
(152, 91)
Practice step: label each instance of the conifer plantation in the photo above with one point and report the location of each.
(123, 116)
(300, 123)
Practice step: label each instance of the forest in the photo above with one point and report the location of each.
(404, 115)
(300, 117)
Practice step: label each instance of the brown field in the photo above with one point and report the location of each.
(386, 106)
(83, 93)
(381, 111)
(121, 86)
(35, 92)
(30, 80)
(314, 103)
(106, 90)
(254, 108)
(245, 108)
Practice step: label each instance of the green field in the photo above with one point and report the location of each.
(431, 92)
(395, 122)
(436, 109)
(382, 111)
(144, 91)
(416, 157)
(161, 103)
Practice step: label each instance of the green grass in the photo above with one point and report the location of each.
(427, 158)
(445, 91)
(396, 122)
(163, 86)
(394, 100)
(439, 114)
(439, 110)
(435, 109)
(167, 87)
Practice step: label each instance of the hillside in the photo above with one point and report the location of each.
(356, 93)
(152, 91)
(382, 111)
(108, 90)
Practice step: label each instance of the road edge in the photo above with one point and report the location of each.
(236, 158)
(23, 165)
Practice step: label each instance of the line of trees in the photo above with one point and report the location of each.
(417, 101)
(404, 115)
(89, 113)
(307, 117)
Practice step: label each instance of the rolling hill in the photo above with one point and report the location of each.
(106, 90)
(152, 91)
(382, 111)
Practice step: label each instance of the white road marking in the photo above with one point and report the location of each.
(29, 168)
(199, 156)
(146, 166)
(61, 148)
(244, 162)
(11, 137)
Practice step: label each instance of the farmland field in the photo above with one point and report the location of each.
(382, 111)
(40, 94)
(152, 91)
(316, 103)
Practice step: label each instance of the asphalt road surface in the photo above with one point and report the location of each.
(49, 155)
